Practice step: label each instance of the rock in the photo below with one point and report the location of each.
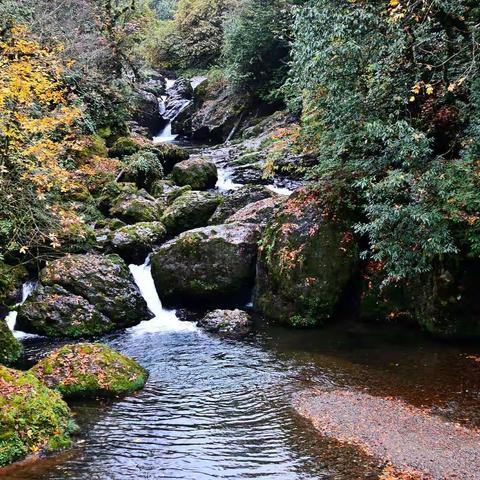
(103, 280)
(143, 168)
(190, 210)
(199, 173)
(33, 418)
(89, 370)
(445, 301)
(306, 262)
(260, 212)
(227, 322)
(134, 242)
(146, 111)
(52, 311)
(211, 265)
(10, 347)
(111, 192)
(238, 199)
(169, 155)
(137, 207)
(125, 146)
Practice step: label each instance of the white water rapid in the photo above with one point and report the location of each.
(164, 320)
(11, 318)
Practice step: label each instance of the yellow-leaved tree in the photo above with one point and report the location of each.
(38, 119)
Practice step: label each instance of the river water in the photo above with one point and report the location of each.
(215, 408)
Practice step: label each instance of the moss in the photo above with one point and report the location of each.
(123, 147)
(88, 369)
(10, 347)
(33, 418)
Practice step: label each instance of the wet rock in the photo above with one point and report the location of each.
(33, 418)
(137, 207)
(89, 370)
(134, 242)
(260, 212)
(238, 199)
(110, 193)
(146, 111)
(306, 262)
(52, 311)
(104, 281)
(10, 347)
(227, 322)
(190, 210)
(125, 146)
(211, 265)
(200, 174)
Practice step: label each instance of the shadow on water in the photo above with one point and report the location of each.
(216, 408)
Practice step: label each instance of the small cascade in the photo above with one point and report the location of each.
(11, 318)
(165, 135)
(164, 320)
(225, 182)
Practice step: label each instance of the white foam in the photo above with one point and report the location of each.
(164, 320)
(166, 135)
(225, 182)
(280, 190)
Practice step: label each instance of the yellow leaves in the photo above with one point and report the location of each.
(429, 89)
(23, 250)
(394, 3)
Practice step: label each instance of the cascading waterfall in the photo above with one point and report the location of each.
(11, 318)
(164, 320)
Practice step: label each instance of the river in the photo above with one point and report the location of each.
(215, 408)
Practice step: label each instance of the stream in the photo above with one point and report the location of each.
(215, 408)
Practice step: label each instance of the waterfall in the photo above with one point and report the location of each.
(225, 182)
(11, 318)
(164, 320)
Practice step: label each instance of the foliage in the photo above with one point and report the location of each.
(390, 106)
(256, 46)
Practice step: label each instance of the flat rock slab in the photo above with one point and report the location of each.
(409, 438)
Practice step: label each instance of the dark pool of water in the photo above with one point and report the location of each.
(220, 409)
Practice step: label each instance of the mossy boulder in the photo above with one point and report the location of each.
(125, 146)
(10, 347)
(53, 311)
(239, 199)
(110, 193)
(33, 418)
(190, 210)
(137, 207)
(230, 323)
(446, 301)
(170, 155)
(211, 265)
(306, 262)
(104, 281)
(143, 168)
(199, 173)
(89, 370)
(260, 212)
(134, 242)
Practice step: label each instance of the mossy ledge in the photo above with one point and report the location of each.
(33, 418)
(90, 369)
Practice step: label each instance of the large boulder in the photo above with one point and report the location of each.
(143, 168)
(134, 242)
(33, 418)
(10, 347)
(137, 207)
(211, 265)
(446, 301)
(231, 323)
(260, 212)
(199, 173)
(89, 370)
(190, 210)
(99, 281)
(238, 199)
(55, 312)
(146, 111)
(306, 262)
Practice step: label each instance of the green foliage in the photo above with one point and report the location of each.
(256, 47)
(391, 110)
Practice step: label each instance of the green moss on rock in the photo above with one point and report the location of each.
(33, 418)
(88, 369)
(306, 261)
(10, 347)
(199, 173)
